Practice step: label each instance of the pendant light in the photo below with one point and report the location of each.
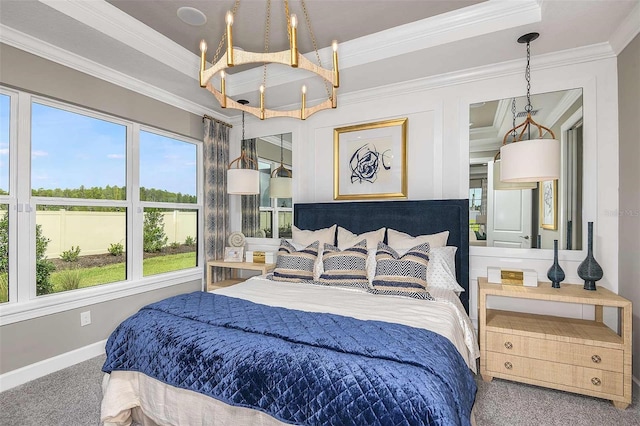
(243, 181)
(532, 160)
(280, 185)
(498, 184)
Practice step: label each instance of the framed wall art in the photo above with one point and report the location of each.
(233, 254)
(549, 204)
(370, 160)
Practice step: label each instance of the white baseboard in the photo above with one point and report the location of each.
(42, 368)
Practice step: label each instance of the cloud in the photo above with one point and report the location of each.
(115, 156)
(39, 153)
(172, 157)
(4, 151)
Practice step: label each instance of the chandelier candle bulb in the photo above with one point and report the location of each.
(223, 90)
(229, 21)
(294, 41)
(303, 114)
(336, 74)
(203, 60)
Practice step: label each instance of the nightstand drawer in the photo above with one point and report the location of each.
(554, 351)
(591, 379)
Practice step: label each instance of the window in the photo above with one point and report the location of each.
(168, 190)
(91, 190)
(5, 145)
(88, 163)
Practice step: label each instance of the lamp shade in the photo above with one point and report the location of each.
(500, 185)
(532, 160)
(243, 181)
(280, 187)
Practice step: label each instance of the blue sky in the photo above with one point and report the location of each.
(69, 150)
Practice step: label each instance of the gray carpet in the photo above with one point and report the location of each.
(72, 397)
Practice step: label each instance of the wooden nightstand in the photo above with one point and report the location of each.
(235, 267)
(575, 355)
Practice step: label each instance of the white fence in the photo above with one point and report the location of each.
(94, 232)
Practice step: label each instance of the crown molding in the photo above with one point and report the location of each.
(627, 31)
(565, 103)
(114, 23)
(53, 53)
(594, 52)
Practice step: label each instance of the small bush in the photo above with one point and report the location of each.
(189, 241)
(154, 238)
(175, 245)
(70, 279)
(116, 249)
(71, 255)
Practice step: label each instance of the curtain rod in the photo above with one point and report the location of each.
(217, 121)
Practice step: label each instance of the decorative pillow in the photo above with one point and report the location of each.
(345, 267)
(441, 271)
(406, 275)
(402, 242)
(348, 239)
(293, 265)
(305, 238)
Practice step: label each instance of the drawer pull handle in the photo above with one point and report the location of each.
(509, 366)
(596, 358)
(595, 381)
(508, 345)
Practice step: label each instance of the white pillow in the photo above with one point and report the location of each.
(401, 242)
(347, 239)
(302, 238)
(441, 270)
(324, 236)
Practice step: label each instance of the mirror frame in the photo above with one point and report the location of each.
(590, 188)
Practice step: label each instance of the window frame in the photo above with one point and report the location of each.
(23, 304)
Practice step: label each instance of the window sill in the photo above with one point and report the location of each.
(59, 302)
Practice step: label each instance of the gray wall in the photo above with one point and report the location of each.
(37, 75)
(629, 210)
(27, 342)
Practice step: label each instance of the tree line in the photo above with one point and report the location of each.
(109, 193)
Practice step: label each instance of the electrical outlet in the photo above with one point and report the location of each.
(85, 318)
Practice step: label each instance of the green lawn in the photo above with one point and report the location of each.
(116, 272)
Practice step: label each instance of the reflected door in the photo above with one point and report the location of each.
(508, 216)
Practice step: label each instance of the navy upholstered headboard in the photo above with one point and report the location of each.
(412, 217)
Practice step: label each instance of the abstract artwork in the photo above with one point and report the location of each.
(370, 160)
(549, 204)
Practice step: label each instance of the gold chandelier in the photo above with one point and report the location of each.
(234, 56)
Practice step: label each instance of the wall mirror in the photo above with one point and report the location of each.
(530, 217)
(265, 216)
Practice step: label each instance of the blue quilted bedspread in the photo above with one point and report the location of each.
(299, 367)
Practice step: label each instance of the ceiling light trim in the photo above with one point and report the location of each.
(45, 50)
(111, 21)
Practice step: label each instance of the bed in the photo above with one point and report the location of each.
(274, 350)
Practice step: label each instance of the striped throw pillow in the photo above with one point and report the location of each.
(293, 265)
(346, 268)
(402, 275)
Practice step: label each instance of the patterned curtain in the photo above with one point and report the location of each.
(216, 200)
(250, 203)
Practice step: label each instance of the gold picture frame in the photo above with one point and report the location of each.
(370, 160)
(549, 204)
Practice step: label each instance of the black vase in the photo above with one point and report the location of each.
(555, 273)
(589, 270)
